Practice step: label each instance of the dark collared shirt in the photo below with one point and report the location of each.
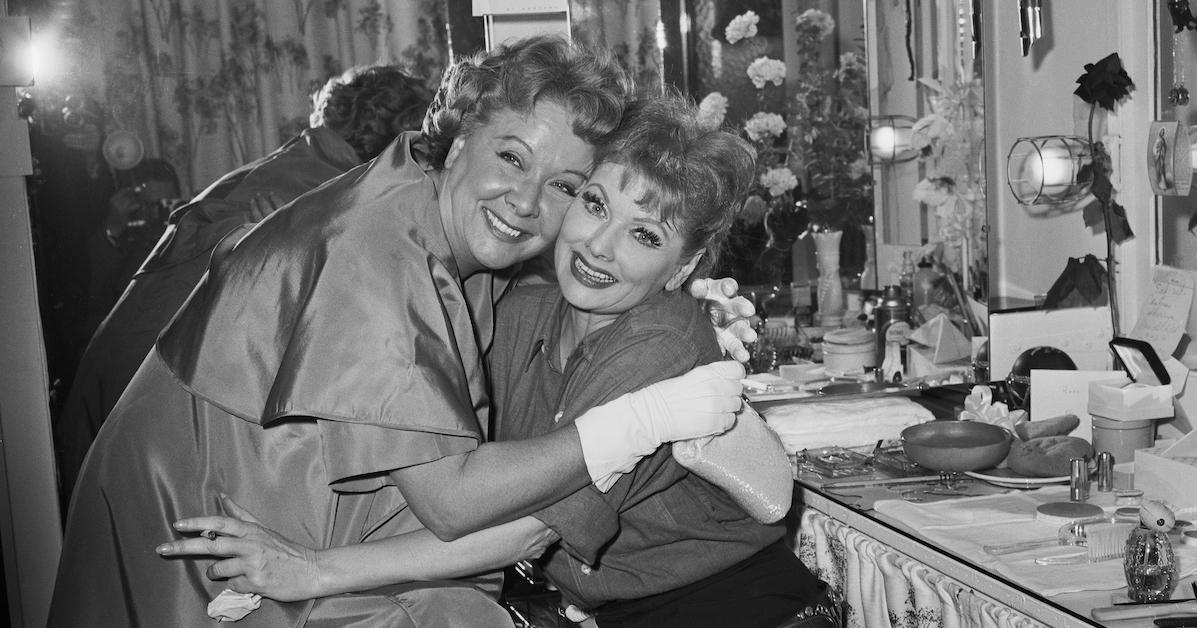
(659, 527)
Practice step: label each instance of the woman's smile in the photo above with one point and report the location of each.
(590, 276)
(502, 229)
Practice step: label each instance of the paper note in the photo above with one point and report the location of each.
(1066, 392)
(1163, 317)
(1083, 333)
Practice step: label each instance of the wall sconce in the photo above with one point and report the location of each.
(1049, 169)
(890, 139)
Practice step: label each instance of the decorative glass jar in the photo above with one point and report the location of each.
(1150, 565)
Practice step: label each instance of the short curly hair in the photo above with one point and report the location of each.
(370, 106)
(696, 177)
(517, 75)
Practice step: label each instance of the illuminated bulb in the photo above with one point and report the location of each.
(1056, 167)
(884, 142)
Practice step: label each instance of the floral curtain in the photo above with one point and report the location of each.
(882, 587)
(210, 85)
(629, 29)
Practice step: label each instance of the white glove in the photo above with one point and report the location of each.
(618, 433)
(730, 314)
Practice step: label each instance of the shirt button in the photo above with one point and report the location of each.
(585, 570)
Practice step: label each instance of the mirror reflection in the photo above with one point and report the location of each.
(868, 120)
(928, 135)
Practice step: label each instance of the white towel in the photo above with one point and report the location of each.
(853, 423)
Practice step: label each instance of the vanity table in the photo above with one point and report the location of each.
(891, 574)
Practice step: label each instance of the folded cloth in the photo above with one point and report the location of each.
(853, 423)
(747, 462)
(233, 606)
(964, 526)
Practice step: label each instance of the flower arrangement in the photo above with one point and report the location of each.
(950, 140)
(811, 158)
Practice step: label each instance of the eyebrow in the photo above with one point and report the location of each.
(528, 147)
(643, 216)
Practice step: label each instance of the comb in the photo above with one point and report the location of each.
(1103, 541)
(1069, 534)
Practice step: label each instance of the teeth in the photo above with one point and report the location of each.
(501, 226)
(591, 273)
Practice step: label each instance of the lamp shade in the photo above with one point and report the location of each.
(890, 139)
(1049, 169)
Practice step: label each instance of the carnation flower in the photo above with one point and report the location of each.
(766, 70)
(712, 110)
(778, 181)
(742, 27)
(815, 22)
(851, 66)
(763, 125)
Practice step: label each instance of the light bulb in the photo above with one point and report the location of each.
(884, 142)
(1056, 167)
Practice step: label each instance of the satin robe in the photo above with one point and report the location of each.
(171, 272)
(333, 345)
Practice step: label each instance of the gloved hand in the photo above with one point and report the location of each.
(730, 314)
(617, 434)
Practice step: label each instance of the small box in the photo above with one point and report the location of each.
(1169, 472)
(1145, 394)
(1124, 400)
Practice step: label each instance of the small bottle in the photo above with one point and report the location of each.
(924, 286)
(893, 328)
(1149, 561)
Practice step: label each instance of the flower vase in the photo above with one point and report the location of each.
(831, 289)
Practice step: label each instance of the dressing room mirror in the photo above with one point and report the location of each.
(927, 139)
(914, 127)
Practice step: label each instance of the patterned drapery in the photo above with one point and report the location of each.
(883, 587)
(209, 85)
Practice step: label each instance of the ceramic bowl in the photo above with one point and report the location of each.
(956, 445)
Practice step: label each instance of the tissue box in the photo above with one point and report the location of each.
(1169, 472)
(1125, 400)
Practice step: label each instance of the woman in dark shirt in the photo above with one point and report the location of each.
(661, 547)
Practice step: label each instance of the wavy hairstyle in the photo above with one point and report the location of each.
(517, 75)
(696, 177)
(370, 106)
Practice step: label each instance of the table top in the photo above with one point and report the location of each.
(847, 500)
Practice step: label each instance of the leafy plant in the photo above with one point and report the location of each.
(810, 154)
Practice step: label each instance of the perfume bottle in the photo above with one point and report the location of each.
(1149, 562)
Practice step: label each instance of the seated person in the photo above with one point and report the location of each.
(660, 547)
(355, 116)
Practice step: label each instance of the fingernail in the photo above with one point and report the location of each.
(162, 549)
(178, 525)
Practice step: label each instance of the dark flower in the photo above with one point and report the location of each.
(1104, 83)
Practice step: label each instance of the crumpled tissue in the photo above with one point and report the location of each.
(233, 606)
(946, 342)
